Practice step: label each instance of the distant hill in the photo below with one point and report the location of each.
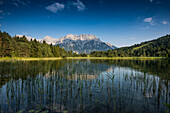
(84, 43)
(155, 48)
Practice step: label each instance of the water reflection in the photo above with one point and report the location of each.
(85, 86)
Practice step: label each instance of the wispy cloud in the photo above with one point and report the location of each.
(101, 2)
(80, 6)
(155, 1)
(8, 13)
(158, 2)
(23, 3)
(164, 22)
(55, 7)
(132, 38)
(147, 27)
(1, 2)
(149, 20)
(16, 4)
(151, 0)
(0, 25)
(1, 11)
(24, 33)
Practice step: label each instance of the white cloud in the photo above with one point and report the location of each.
(149, 20)
(0, 25)
(55, 7)
(164, 22)
(80, 6)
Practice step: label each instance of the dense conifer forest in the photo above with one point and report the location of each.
(21, 47)
(155, 48)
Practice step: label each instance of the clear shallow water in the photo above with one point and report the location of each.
(118, 86)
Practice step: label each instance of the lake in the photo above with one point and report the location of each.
(101, 86)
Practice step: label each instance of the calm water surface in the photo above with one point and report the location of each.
(101, 86)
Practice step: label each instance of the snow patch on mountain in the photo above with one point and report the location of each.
(84, 43)
(28, 38)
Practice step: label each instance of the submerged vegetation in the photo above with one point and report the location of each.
(84, 86)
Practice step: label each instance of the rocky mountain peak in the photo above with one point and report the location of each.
(48, 37)
(84, 43)
(71, 36)
(80, 37)
(88, 37)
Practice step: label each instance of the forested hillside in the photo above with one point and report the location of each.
(21, 47)
(154, 48)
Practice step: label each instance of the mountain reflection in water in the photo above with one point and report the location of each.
(134, 86)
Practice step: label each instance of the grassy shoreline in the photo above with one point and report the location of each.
(116, 58)
(60, 58)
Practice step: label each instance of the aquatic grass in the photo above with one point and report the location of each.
(65, 111)
(110, 76)
(10, 108)
(41, 92)
(21, 111)
(104, 91)
(167, 106)
(31, 111)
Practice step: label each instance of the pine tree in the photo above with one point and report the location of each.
(57, 51)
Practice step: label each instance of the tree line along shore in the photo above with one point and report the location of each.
(20, 48)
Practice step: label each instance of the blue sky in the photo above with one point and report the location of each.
(120, 22)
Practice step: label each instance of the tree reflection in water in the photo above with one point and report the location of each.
(85, 86)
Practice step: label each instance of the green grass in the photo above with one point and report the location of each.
(59, 58)
(116, 58)
(28, 59)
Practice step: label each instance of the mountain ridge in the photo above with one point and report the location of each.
(159, 47)
(83, 43)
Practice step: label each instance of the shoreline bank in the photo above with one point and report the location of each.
(60, 58)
